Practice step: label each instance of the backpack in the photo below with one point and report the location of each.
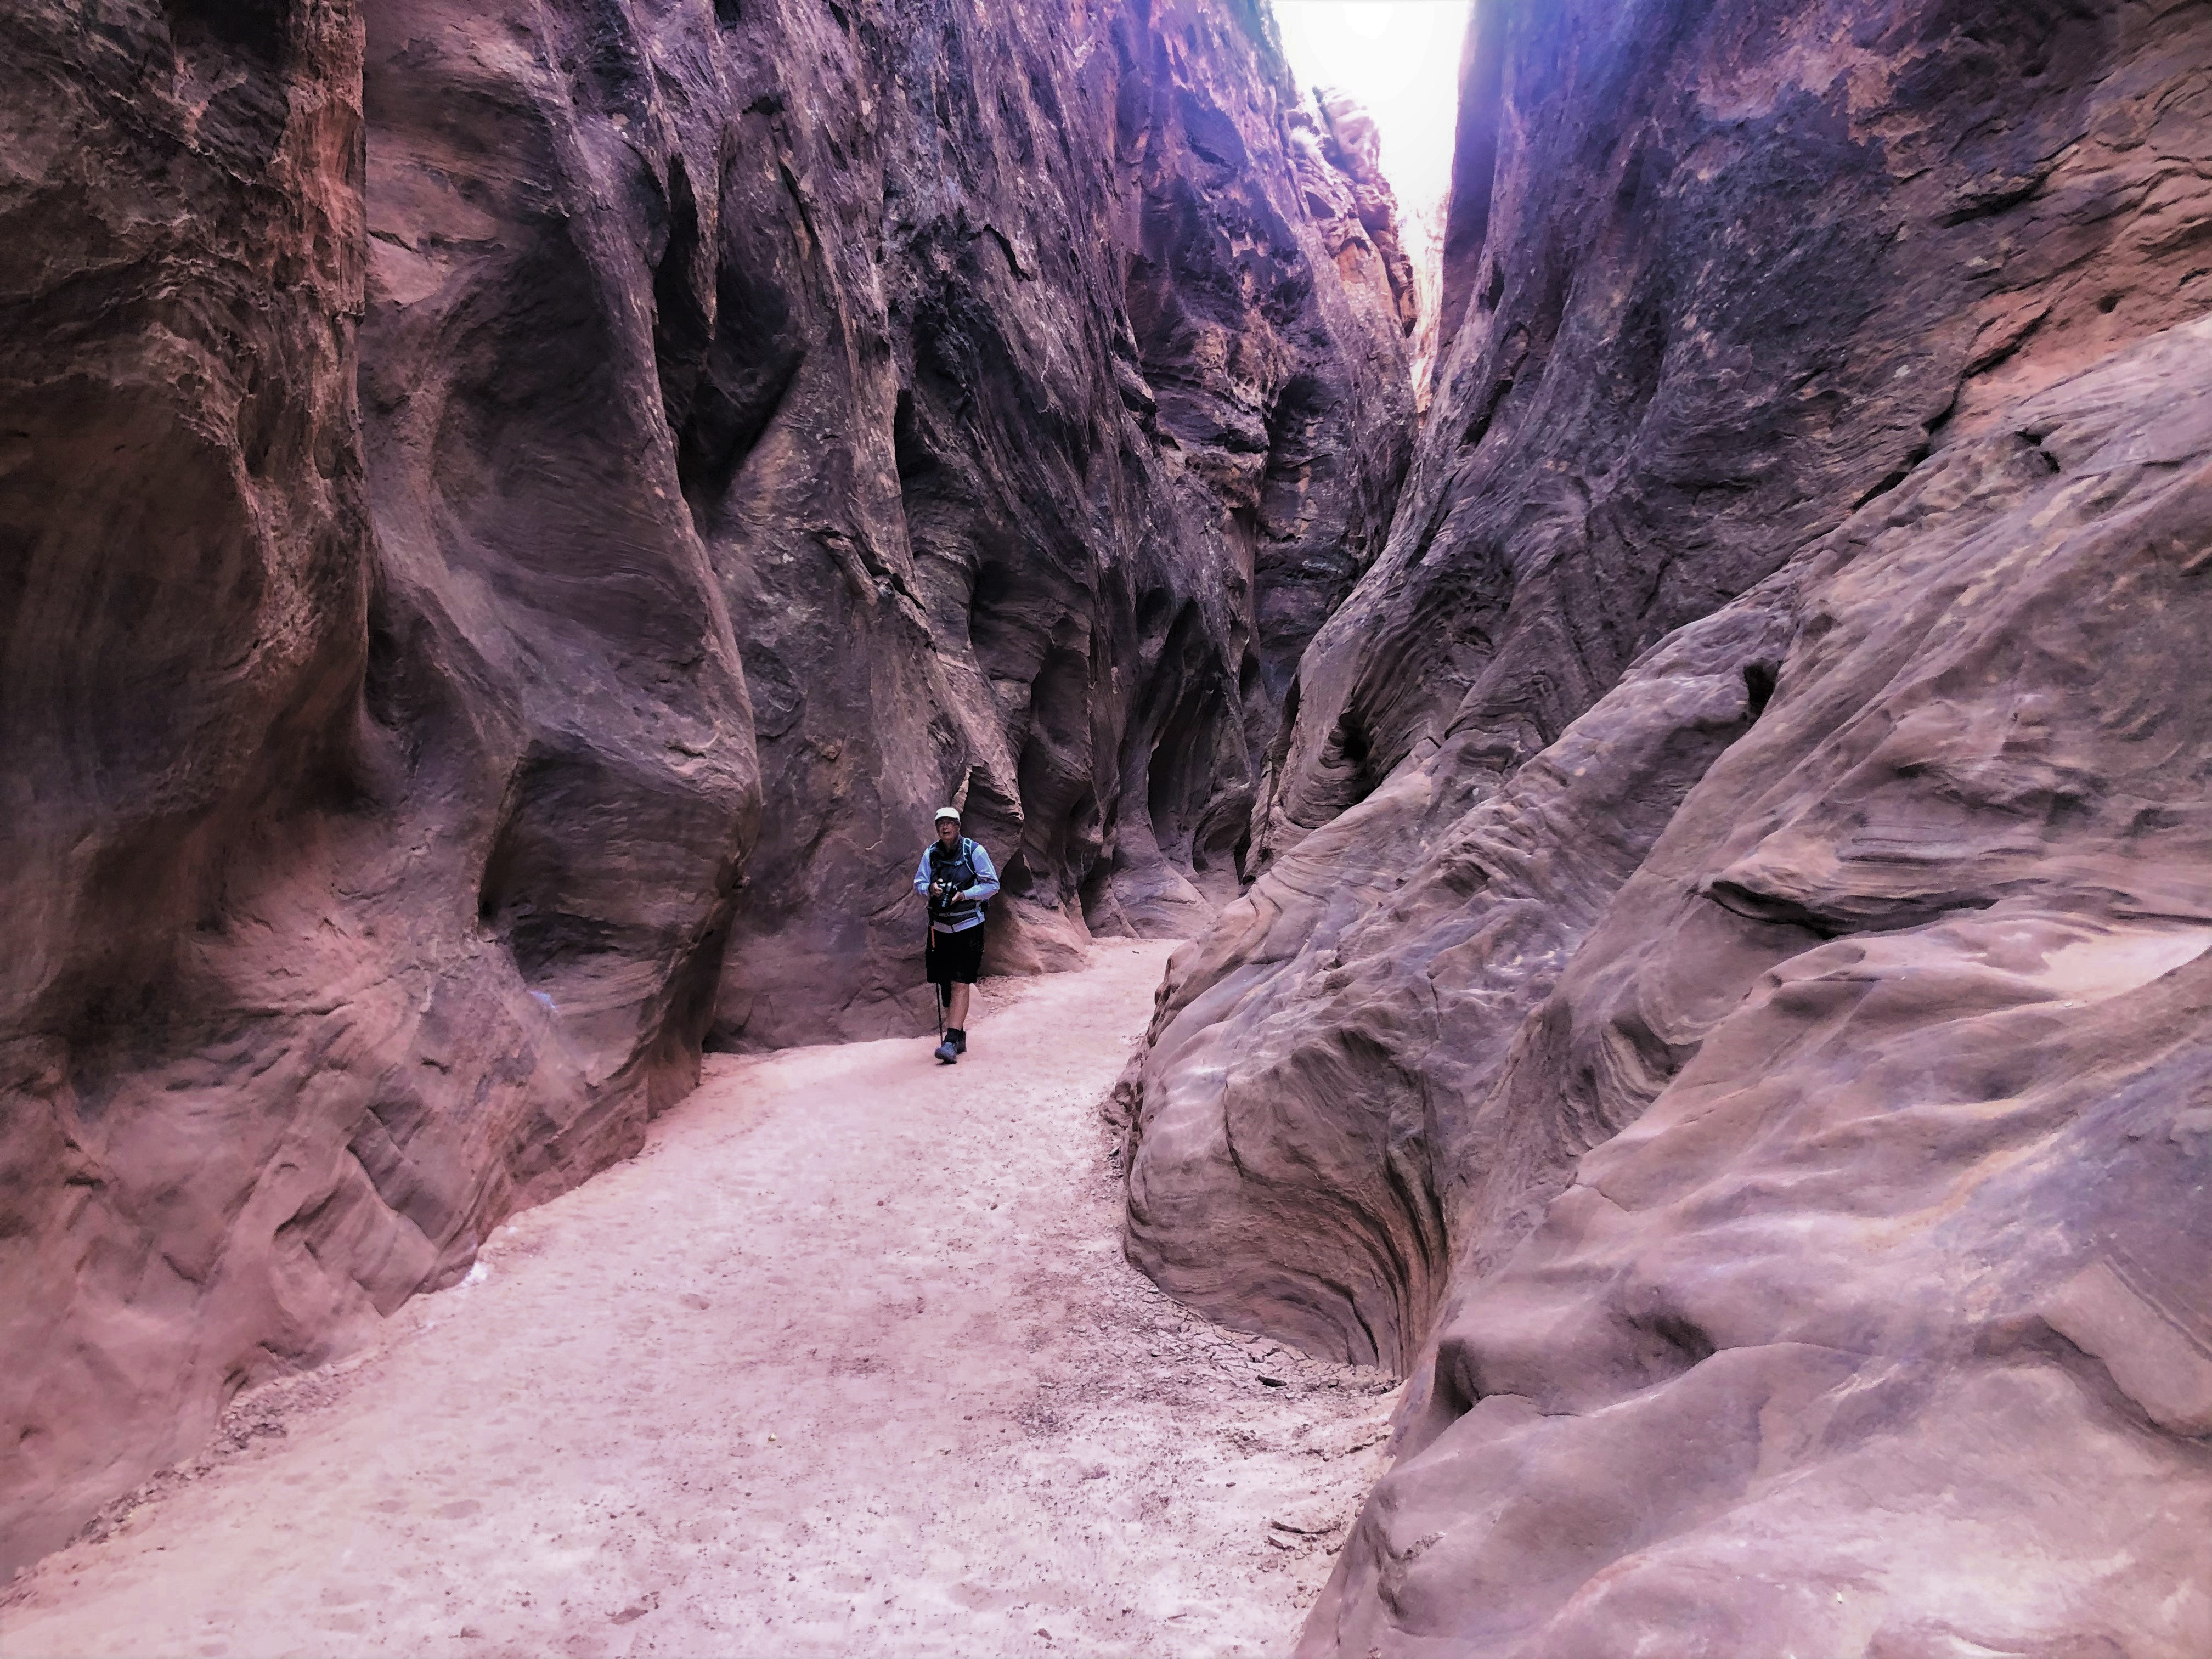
(961, 868)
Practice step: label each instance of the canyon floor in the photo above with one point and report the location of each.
(846, 1362)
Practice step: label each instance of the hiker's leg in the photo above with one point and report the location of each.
(956, 1019)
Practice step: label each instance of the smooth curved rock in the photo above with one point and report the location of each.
(1731, 892)
(1899, 1036)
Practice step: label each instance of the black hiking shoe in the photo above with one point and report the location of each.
(959, 1040)
(949, 1051)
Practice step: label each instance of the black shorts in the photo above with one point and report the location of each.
(954, 958)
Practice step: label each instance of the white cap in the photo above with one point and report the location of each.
(945, 813)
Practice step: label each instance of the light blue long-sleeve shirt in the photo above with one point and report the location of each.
(986, 887)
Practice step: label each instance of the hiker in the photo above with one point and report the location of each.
(955, 875)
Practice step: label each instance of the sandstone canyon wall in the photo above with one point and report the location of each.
(511, 516)
(1723, 1007)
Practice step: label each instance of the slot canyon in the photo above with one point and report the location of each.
(1584, 1042)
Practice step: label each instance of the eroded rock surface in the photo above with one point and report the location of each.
(1721, 1010)
(510, 517)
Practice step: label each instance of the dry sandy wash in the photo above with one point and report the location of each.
(846, 1362)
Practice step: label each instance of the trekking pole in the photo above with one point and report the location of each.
(937, 992)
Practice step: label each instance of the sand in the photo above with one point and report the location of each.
(846, 1361)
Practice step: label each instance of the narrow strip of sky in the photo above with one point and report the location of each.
(1400, 58)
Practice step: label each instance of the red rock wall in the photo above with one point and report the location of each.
(1721, 1011)
(1089, 403)
(510, 517)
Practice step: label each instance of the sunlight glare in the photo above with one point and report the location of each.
(1400, 60)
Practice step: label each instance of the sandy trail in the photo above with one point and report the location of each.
(846, 1362)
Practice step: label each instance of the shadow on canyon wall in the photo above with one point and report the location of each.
(1720, 1007)
(512, 516)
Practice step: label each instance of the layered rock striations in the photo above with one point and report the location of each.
(1721, 1007)
(1089, 402)
(510, 517)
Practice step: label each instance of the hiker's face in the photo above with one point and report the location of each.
(948, 830)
